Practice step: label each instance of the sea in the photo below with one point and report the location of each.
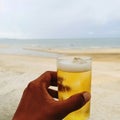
(16, 46)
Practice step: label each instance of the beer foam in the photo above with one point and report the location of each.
(74, 65)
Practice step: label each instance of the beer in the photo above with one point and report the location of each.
(74, 76)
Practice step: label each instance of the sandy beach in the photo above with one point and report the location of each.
(16, 71)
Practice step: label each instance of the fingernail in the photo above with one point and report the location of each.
(86, 96)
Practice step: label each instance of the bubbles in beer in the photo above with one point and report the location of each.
(76, 64)
(78, 60)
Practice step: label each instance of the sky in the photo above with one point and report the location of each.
(59, 18)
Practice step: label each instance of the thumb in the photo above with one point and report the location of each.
(73, 103)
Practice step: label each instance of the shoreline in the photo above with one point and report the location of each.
(76, 51)
(111, 54)
(95, 57)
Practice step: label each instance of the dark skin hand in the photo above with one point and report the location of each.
(37, 102)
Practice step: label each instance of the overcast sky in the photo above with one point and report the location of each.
(59, 18)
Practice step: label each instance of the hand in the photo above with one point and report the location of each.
(37, 102)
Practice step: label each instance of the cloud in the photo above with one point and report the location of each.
(12, 35)
(51, 18)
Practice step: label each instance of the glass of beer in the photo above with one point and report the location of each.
(74, 76)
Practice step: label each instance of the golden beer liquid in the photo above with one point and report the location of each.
(70, 83)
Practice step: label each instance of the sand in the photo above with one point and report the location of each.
(16, 71)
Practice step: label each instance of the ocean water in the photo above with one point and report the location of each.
(17, 45)
(65, 43)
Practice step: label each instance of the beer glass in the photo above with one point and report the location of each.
(74, 76)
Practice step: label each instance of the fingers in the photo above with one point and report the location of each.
(53, 75)
(73, 103)
(53, 93)
(48, 78)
